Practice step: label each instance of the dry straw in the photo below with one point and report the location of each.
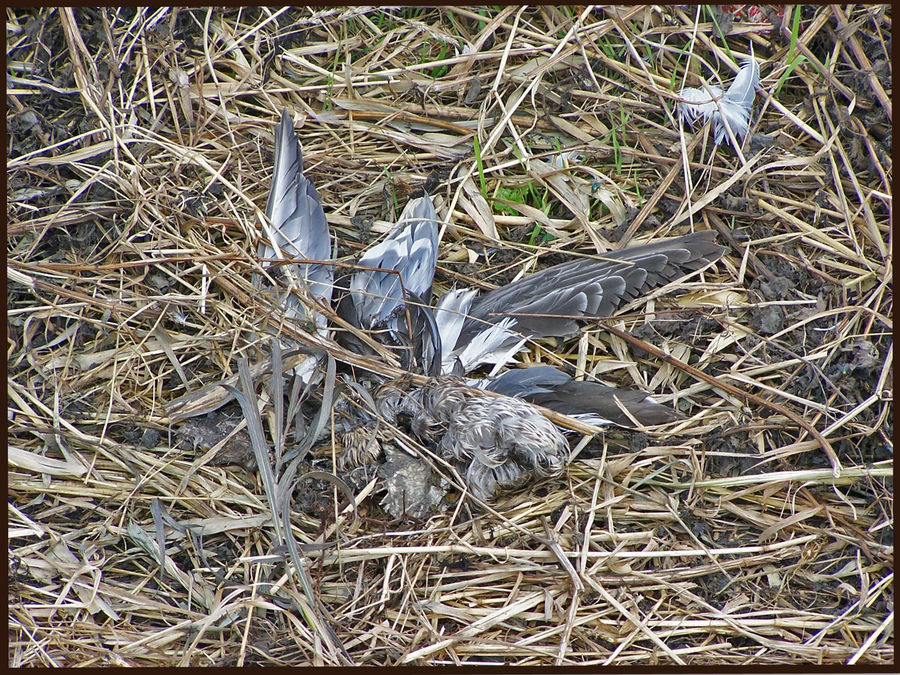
(139, 153)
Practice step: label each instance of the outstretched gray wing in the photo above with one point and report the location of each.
(298, 225)
(589, 286)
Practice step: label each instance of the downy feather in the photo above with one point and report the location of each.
(732, 108)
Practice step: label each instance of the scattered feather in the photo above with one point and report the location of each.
(296, 228)
(562, 160)
(298, 225)
(450, 315)
(699, 103)
(731, 108)
(496, 344)
(411, 250)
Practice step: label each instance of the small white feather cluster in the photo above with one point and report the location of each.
(733, 107)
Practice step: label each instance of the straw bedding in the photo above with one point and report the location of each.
(757, 531)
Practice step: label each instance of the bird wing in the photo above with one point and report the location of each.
(590, 401)
(411, 251)
(589, 286)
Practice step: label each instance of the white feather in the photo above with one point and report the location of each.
(731, 108)
(450, 315)
(743, 90)
(496, 345)
(698, 103)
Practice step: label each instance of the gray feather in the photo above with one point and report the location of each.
(591, 401)
(298, 224)
(589, 286)
(411, 250)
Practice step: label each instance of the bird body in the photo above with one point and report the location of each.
(499, 442)
(472, 330)
(495, 442)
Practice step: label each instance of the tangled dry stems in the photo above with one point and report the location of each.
(140, 147)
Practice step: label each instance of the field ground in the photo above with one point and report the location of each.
(759, 531)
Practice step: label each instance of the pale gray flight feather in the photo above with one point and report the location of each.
(450, 313)
(497, 344)
(298, 224)
(398, 277)
(411, 250)
(449, 316)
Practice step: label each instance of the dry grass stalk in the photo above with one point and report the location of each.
(140, 146)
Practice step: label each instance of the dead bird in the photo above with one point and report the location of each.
(494, 442)
(467, 330)
(498, 443)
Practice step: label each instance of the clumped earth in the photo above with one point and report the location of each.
(139, 153)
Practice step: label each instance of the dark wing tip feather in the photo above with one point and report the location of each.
(554, 389)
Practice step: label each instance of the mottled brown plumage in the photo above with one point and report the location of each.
(361, 445)
(494, 442)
